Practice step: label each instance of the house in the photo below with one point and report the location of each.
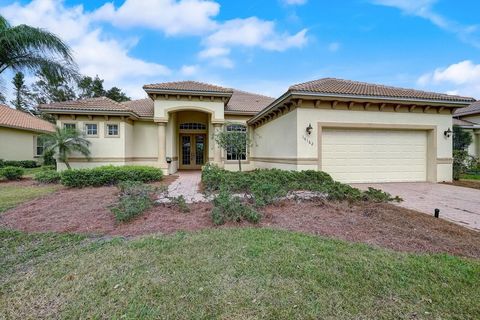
(469, 119)
(357, 132)
(19, 134)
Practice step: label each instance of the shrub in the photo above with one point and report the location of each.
(230, 208)
(12, 173)
(267, 185)
(19, 163)
(135, 198)
(47, 176)
(460, 158)
(180, 203)
(109, 175)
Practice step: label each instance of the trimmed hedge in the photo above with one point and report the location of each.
(18, 163)
(109, 175)
(12, 173)
(47, 176)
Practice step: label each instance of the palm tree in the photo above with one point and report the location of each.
(27, 48)
(66, 141)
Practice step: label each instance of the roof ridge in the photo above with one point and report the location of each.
(257, 94)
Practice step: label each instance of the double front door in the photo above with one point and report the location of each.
(192, 151)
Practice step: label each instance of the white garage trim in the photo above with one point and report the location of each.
(431, 135)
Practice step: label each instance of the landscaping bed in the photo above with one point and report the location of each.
(474, 184)
(87, 211)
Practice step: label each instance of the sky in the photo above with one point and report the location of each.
(265, 46)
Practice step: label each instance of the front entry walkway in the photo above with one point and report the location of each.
(457, 204)
(187, 185)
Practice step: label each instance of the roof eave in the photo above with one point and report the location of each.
(191, 92)
(93, 112)
(27, 129)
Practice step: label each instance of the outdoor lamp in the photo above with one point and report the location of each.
(309, 128)
(448, 133)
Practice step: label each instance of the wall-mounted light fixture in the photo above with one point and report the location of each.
(448, 133)
(309, 128)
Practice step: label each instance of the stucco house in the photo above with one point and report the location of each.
(469, 119)
(19, 134)
(357, 132)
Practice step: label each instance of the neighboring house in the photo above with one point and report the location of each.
(357, 132)
(469, 119)
(19, 134)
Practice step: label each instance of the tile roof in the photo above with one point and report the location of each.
(471, 109)
(461, 122)
(142, 107)
(90, 104)
(348, 87)
(188, 86)
(247, 102)
(13, 118)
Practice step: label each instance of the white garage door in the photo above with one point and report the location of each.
(356, 155)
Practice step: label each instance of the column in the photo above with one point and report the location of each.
(217, 151)
(162, 146)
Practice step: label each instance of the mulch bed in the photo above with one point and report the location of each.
(474, 184)
(86, 211)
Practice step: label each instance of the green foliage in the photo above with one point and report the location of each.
(27, 48)
(135, 198)
(180, 203)
(22, 96)
(65, 142)
(234, 141)
(47, 176)
(230, 208)
(266, 185)
(12, 173)
(50, 87)
(464, 163)
(461, 138)
(109, 175)
(18, 163)
(116, 94)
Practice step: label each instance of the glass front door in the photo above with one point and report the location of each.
(192, 151)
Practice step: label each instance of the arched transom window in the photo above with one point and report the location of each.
(193, 126)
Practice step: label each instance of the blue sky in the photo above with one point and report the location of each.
(264, 46)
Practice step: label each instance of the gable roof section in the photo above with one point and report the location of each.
(187, 86)
(474, 108)
(355, 88)
(142, 107)
(94, 104)
(13, 118)
(246, 102)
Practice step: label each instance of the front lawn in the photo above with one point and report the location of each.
(228, 273)
(14, 193)
(467, 176)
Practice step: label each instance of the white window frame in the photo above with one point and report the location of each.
(35, 147)
(65, 124)
(246, 145)
(107, 135)
(85, 126)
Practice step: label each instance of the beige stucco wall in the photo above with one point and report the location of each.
(285, 137)
(17, 144)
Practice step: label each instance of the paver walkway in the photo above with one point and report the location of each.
(457, 204)
(187, 185)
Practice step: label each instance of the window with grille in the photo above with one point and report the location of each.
(91, 129)
(70, 126)
(39, 146)
(193, 126)
(237, 154)
(112, 130)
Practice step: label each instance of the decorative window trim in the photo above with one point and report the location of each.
(106, 130)
(65, 123)
(86, 130)
(236, 127)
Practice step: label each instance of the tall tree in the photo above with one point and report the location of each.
(91, 88)
(64, 142)
(22, 95)
(461, 138)
(117, 94)
(51, 87)
(3, 99)
(25, 48)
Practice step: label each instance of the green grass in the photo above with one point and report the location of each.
(12, 195)
(470, 176)
(228, 273)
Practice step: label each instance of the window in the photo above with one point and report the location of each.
(193, 126)
(39, 145)
(112, 130)
(70, 126)
(231, 153)
(91, 129)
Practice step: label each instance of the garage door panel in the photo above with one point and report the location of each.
(354, 155)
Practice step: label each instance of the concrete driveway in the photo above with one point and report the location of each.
(457, 204)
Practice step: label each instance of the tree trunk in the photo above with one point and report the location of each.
(68, 165)
(240, 164)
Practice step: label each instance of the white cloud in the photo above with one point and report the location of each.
(254, 32)
(294, 2)
(189, 70)
(93, 51)
(169, 16)
(334, 47)
(214, 52)
(424, 9)
(460, 78)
